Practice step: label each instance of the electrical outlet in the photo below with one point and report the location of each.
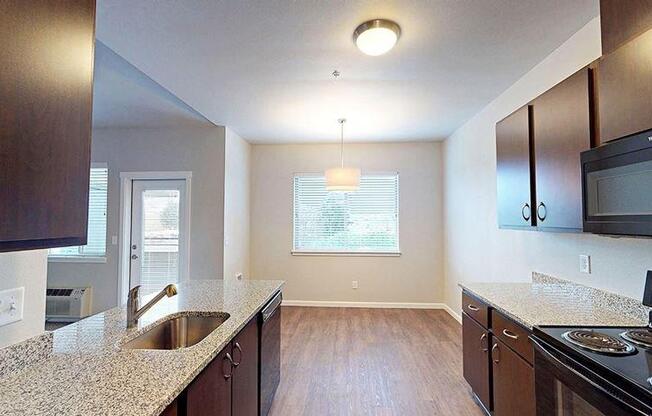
(585, 263)
(114, 240)
(11, 305)
(354, 284)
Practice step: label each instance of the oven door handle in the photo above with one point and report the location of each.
(550, 357)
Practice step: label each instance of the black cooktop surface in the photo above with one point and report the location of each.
(634, 367)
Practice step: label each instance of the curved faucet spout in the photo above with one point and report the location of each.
(134, 311)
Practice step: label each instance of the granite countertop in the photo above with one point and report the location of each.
(548, 301)
(87, 373)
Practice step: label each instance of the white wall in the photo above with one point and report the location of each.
(237, 168)
(196, 149)
(27, 269)
(476, 250)
(414, 277)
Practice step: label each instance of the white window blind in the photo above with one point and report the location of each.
(365, 221)
(97, 202)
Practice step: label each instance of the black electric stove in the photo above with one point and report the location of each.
(593, 370)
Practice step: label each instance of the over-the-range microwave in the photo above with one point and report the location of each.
(617, 187)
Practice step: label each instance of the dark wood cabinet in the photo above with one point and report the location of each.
(562, 130)
(623, 20)
(515, 194)
(245, 371)
(497, 363)
(210, 393)
(45, 114)
(476, 367)
(513, 382)
(172, 409)
(625, 85)
(538, 148)
(229, 384)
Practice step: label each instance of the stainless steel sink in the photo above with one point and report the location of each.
(178, 332)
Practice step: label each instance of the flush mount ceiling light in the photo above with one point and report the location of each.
(376, 37)
(342, 179)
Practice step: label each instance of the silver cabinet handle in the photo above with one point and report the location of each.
(509, 334)
(473, 307)
(543, 216)
(230, 360)
(495, 353)
(527, 216)
(239, 348)
(485, 347)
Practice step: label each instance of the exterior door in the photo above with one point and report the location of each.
(158, 234)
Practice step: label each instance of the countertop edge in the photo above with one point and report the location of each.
(499, 308)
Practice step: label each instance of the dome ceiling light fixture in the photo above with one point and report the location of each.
(342, 179)
(376, 37)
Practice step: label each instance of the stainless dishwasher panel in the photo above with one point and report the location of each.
(270, 352)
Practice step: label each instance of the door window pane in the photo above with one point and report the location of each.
(160, 239)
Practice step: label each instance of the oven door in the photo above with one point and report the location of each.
(564, 387)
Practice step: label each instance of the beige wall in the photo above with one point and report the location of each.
(476, 250)
(237, 168)
(26, 269)
(414, 277)
(196, 149)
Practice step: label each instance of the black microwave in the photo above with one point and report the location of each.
(617, 187)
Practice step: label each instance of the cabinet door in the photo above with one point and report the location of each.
(45, 114)
(562, 129)
(513, 170)
(475, 346)
(513, 383)
(621, 21)
(245, 373)
(625, 87)
(210, 393)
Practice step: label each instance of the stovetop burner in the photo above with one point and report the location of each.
(598, 342)
(639, 336)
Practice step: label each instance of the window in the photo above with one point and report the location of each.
(97, 201)
(362, 222)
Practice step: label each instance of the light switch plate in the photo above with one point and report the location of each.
(585, 263)
(11, 305)
(354, 284)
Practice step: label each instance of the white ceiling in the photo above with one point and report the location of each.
(264, 67)
(124, 97)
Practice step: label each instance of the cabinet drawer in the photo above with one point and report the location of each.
(513, 335)
(476, 309)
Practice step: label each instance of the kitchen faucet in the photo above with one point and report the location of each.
(134, 311)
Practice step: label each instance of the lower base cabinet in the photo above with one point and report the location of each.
(513, 382)
(475, 350)
(497, 360)
(228, 386)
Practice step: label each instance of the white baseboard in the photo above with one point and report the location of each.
(375, 305)
(452, 313)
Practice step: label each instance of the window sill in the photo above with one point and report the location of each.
(346, 253)
(76, 259)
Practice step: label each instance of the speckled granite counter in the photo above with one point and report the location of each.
(87, 373)
(550, 301)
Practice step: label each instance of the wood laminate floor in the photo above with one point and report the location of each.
(345, 361)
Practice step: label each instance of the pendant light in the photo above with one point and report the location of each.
(342, 179)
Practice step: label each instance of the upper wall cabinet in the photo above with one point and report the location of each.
(513, 170)
(45, 114)
(623, 20)
(625, 87)
(562, 129)
(538, 157)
